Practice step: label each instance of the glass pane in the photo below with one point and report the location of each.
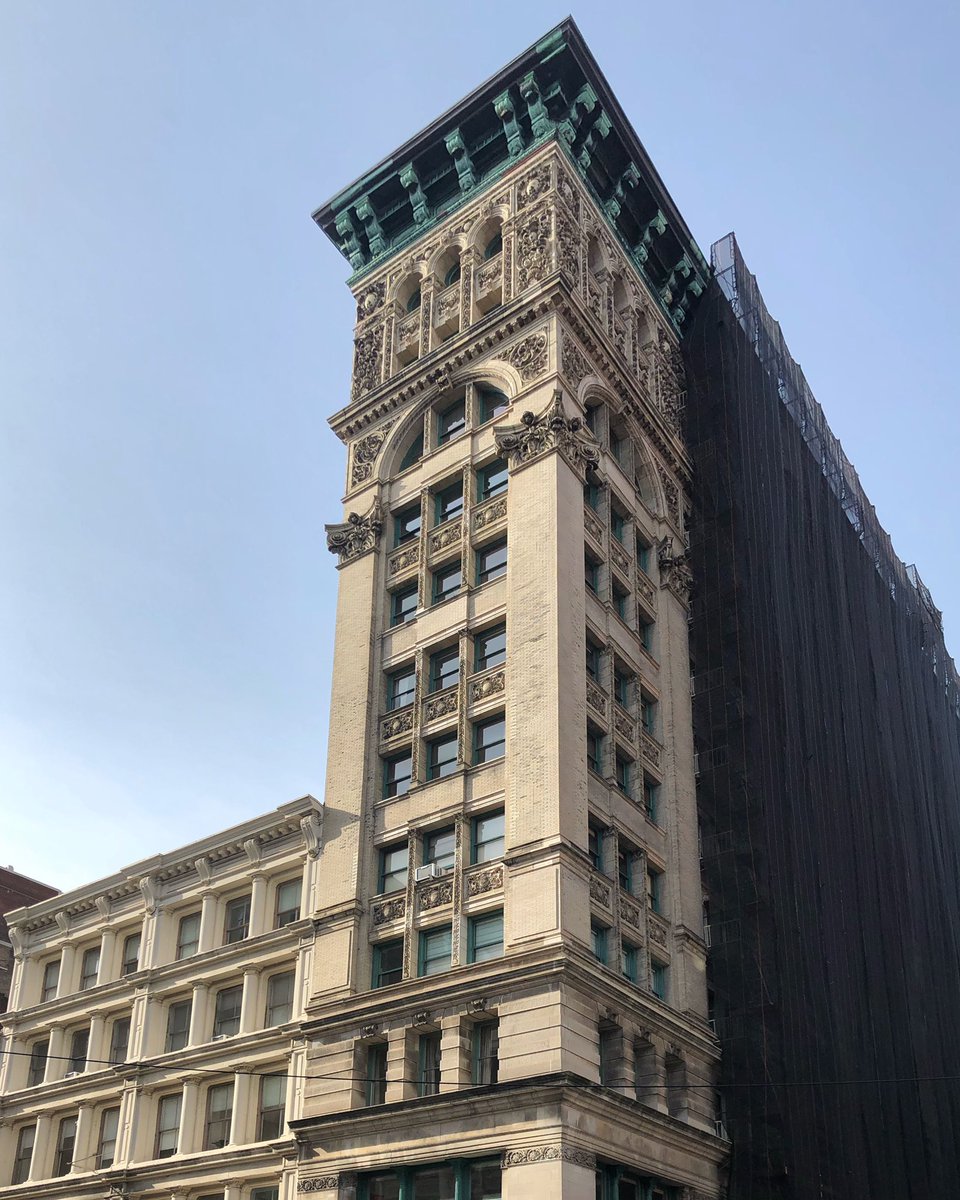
(491, 648)
(485, 1181)
(443, 757)
(383, 1187)
(440, 847)
(436, 1183)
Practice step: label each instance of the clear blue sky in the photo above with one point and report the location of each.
(174, 331)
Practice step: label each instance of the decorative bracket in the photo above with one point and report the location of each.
(457, 148)
(675, 572)
(357, 535)
(551, 430)
(503, 107)
(418, 198)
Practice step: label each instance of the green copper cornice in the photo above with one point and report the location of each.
(553, 91)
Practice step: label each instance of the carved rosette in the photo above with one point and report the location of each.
(365, 452)
(675, 572)
(599, 892)
(596, 697)
(408, 557)
(528, 356)
(490, 685)
(539, 1154)
(440, 706)
(446, 535)
(489, 513)
(371, 300)
(395, 726)
(651, 750)
(481, 882)
(551, 430)
(629, 914)
(367, 361)
(533, 249)
(533, 186)
(436, 895)
(389, 910)
(573, 364)
(357, 535)
(324, 1183)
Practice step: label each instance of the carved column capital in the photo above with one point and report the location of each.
(357, 535)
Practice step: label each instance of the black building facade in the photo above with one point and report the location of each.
(826, 711)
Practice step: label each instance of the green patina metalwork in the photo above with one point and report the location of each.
(553, 91)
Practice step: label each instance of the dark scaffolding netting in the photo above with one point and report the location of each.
(826, 715)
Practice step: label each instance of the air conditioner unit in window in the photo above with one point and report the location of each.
(71, 1074)
(220, 1037)
(428, 871)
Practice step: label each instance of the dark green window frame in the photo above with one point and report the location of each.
(489, 739)
(492, 479)
(591, 574)
(429, 961)
(599, 940)
(473, 1179)
(618, 525)
(494, 246)
(485, 1048)
(621, 687)
(658, 979)
(375, 1083)
(655, 890)
(453, 275)
(447, 582)
(451, 422)
(621, 599)
(440, 847)
(648, 714)
(484, 656)
(487, 831)
(594, 749)
(651, 800)
(493, 402)
(416, 299)
(413, 453)
(387, 963)
(448, 502)
(593, 659)
(595, 839)
(485, 937)
(628, 962)
(643, 555)
(591, 496)
(646, 636)
(492, 561)
(401, 687)
(444, 668)
(406, 524)
(397, 783)
(440, 761)
(626, 861)
(403, 605)
(394, 867)
(624, 774)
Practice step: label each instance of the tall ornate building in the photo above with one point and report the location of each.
(509, 993)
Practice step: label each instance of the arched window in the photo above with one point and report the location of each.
(594, 256)
(493, 402)
(414, 302)
(414, 451)
(494, 246)
(452, 275)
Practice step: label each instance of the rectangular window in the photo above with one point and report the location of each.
(131, 954)
(270, 1120)
(648, 714)
(447, 583)
(38, 1062)
(434, 955)
(226, 1016)
(492, 403)
(288, 903)
(448, 503)
(486, 837)
(591, 574)
(279, 999)
(24, 1158)
(107, 1145)
(651, 800)
(219, 1116)
(387, 963)
(625, 775)
(643, 555)
(394, 865)
(401, 688)
(444, 668)
(594, 750)
(375, 1083)
(119, 1040)
(236, 924)
(428, 1080)
(492, 561)
(490, 648)
(486, 1050)
(442, 756)
(492, 480)
(188, 936)
(625, 861)
(621, 601)
(611, 1056)
(593, 660)
(622, 683)
(265, 1193)
(451, 421)
(168, 1126)
(396, 774)
(598, 938)
(655, 890)
(489, 739)
(485, 937)
(66, 1140)
(618, 525)
(403, 605)
(645, 631)
(406, 525)
(628, 962)
(51, 979)
(178, 1025)
(595, 846)
(440, 847)
(658, 980)
(89, 968)
(79, 1042)
(591, 496)
(616, 447)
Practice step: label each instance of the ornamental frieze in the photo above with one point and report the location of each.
(599, 892)
(629, 914)
(445, 536)
(391, 727)
(569, 255)
(389, 910)
(573, 364)
(369, 301)
(529, 357)
(671, 495)
(619, 558)
(367, 361)
(539, 1154)
(492, 685)
(325, 1183)
(651, 750)
(645, 587)
(550, 430)
(656, 932)
(408, 557)
(533, 249)
(533, 186)
(481, 882)
(365, 452)
(593, 527)
(493, 510)
(596, 698)
(440, 706)
(357, 535)
(435, 896)
(625, 727)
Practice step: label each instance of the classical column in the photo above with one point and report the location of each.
(199, 1031)
(208, 919)
(96, 1050)
(107, 969)
(68, 961)
(190, 1119)
(240, 1123)
(250, 1002)
(84, 1149)
(127, 1126)
(150, 937)
(41, 1165)
(141, 1023)
(258, 904)
(9, 1062)
(231, 1190)
(55, 1064)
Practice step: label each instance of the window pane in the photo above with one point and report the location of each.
(414, 452)
(388, 963)
(119, 1040)
(38, 1063)
(491, 648)
(78, 1050)
(168, 1125)
(376, 1078)
(396, 774)
(226, 1021)
(440, 847)
(219, 1114)
(51, 978)
(434, 1183)
(66, 1139)
(492, 561)
(599, 937)
(488, 837)
(237, 923)
(106, 1152)
(403, 606)
(449, 503)
(383, 1187)
(485, 1181)
(188, 936)
(444, 669)
(288, 902)
(178, 1024)
(486, 1047)
(406, 525)
(429, 1078)
(272, 1097)
(486, 937)
(89, 968)
(434, 950)
(131, 954)
(452, 420)
(21, 1164)
(280, 998)
(493, 479)
(490, 740)
(446, 583)
(394, 863)
(492, 403)
(442, 757)
(401, 688)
